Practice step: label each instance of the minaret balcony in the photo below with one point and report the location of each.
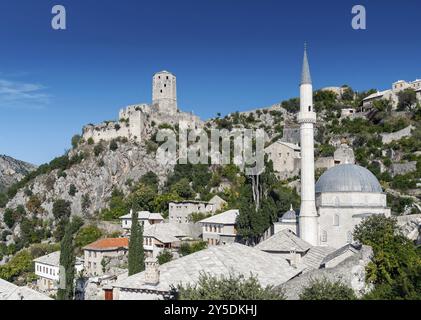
(307, 117)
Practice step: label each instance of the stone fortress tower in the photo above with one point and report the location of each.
(308, 219)
(164, 92)
(137, 122)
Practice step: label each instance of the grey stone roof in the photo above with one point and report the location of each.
(165, 232)
(314, 257)
(52, 259)
(305, 74)
(348, 178)
(227, 217)
(217, 260)
(284, 241)
(10, 291)
(339, 252)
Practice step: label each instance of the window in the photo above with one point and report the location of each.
(309, 108)
(167, 77)
(324, 236)
(336, 220)
(161, 91)
(349, 237)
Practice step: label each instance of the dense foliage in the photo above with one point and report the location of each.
(323, 289)
(395, 269)
(231, 287)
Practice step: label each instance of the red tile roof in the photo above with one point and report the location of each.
(108, 244)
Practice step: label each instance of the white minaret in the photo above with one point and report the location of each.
(308, 225)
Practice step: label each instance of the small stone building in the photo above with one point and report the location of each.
(145, 217)
(285, 157)
(220, 228)
(95, 252)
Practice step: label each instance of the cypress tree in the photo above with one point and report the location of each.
(136, 252)
(67, 265)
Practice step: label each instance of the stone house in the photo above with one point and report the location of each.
(179, 211)
(47, 269)
(95, 252)
(163, 236)
(342, 155)
(145, 217)
(220, 228)
(392, 94)
(285, 157)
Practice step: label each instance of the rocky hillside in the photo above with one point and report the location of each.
(12, 170)
(86, 177)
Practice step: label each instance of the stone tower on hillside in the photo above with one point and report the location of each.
(164, 92)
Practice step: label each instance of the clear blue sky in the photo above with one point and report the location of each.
(228, 55)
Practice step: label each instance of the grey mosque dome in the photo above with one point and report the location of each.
(348, 178)
(289, 215)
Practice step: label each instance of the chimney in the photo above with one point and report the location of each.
(151, 271)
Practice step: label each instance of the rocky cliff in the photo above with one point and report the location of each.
(12, 170)
(92, 178)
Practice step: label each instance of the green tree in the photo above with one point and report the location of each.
(142, 198)
(395, 256)
(407, 98)
(136, 252)
(150, 179)
(61, 209)
(3, 200)
(20, 264)
(98, 149)
(189, 248)
(75, 140)
(87, 235)
(182, 188)
(164, 256)
(323, 289)
(8, 218)
(231, 287)
(67, 264)
(113, 145)
(348, 94)
(72, 190)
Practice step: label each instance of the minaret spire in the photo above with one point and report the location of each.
(305, 74)
(308, 219)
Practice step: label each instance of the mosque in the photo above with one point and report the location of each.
(343, 196)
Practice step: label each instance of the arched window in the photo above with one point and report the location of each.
(336, 220)
(309, 108)
(324, 236)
